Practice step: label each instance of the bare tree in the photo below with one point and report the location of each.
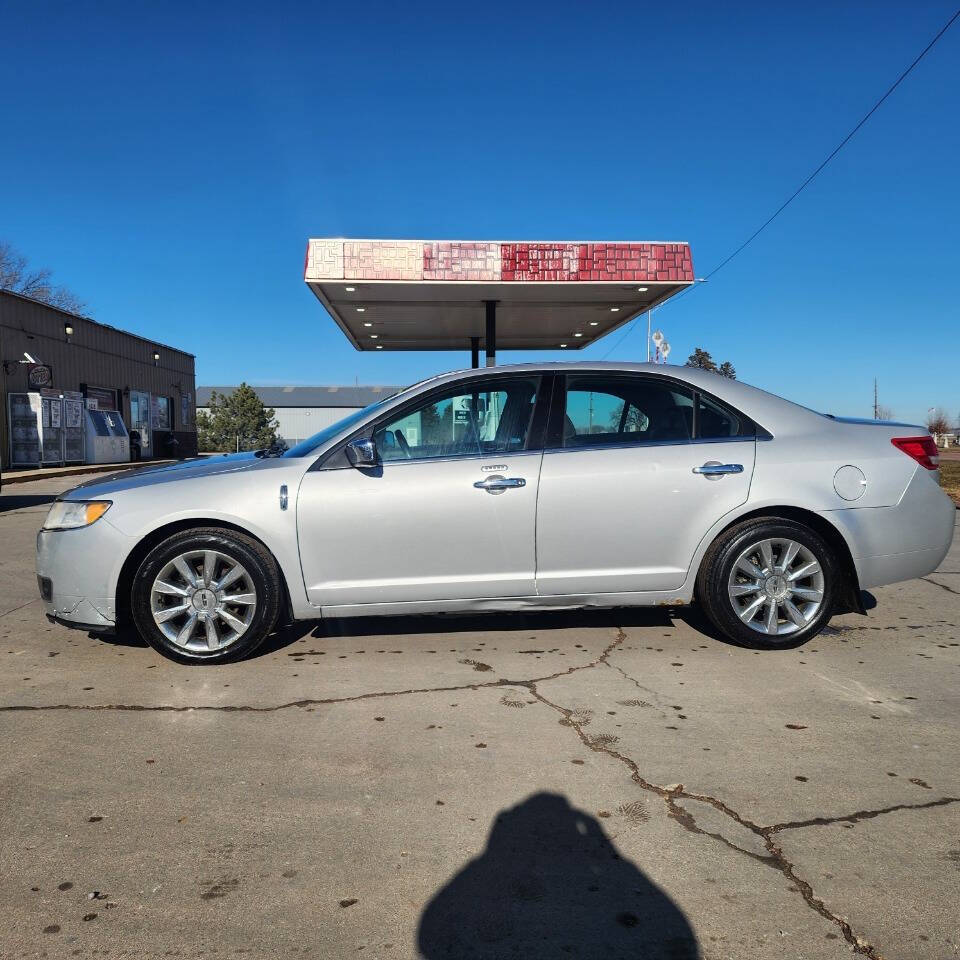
(884, 412)
(938, 421)
(16, 275)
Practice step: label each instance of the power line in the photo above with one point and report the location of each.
(630, 328)
(803, 186)
(903, 76)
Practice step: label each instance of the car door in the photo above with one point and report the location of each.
(623, 504)
(447, 514)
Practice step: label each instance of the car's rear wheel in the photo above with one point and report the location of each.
(769, 583)
(206, 596)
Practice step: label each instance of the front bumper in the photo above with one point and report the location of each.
(78, 572)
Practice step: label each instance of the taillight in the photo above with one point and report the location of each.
(922, 449)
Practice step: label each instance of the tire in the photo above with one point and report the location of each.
(728, 573)
(225, 613)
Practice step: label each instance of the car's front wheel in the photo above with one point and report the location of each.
(206, 595)
(768, 582)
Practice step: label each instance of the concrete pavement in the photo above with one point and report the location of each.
(601, 785)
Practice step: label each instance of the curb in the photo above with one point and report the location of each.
(80, 471)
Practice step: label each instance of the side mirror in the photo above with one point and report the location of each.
(362, 454)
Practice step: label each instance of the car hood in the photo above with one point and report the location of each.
(148, 476)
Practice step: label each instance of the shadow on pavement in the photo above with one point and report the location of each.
(463, 623)
(10, 501)
(551, 884)
(128, 637)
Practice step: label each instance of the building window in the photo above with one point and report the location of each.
(105, 396)
(162, 413)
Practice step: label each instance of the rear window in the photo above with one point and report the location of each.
(604, 411)
(715, 422)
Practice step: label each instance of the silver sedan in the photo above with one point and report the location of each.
(516, 488)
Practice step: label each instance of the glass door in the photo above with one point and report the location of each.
(140, 421)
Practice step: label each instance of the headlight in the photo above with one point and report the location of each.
(70, 514)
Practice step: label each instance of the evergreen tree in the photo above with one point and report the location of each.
(702, 359)
(236, 418)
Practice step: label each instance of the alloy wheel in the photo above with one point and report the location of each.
(776, 587)
(203, 600)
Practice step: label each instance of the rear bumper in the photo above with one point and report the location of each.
(908, 540)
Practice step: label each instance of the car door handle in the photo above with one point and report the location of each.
(497, 484)
(714, 469)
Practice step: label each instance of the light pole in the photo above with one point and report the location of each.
(663, 348)
(657, 340)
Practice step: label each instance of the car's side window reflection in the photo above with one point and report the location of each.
(601, 411)
(715, 422)
(488, 417)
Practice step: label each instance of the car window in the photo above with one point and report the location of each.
(715, 422)
(603, 410)
(305, 447)
(490, 417)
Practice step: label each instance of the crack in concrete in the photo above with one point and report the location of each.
(672, 794)
(859, 815)
(7, 613)
(653, 693)
(308, 702)
(942, 586)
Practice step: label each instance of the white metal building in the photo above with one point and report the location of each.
(302, 411)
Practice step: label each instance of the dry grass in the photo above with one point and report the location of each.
(950, 478)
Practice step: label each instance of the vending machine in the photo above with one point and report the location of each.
(107, 439)
(51, 427)
(36, 428)
(24, 419)
(74, 448)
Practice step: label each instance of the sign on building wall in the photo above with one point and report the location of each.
(105, 397)
(39, 375)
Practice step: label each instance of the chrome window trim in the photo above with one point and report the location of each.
(649, 444)
(472, 456)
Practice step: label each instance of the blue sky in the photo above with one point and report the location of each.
(169, 162)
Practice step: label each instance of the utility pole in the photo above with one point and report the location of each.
(876, 406)
(649, 312)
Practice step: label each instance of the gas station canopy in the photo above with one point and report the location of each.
(455, 295)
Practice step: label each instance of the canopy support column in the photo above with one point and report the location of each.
(474, 352)
(490, 342)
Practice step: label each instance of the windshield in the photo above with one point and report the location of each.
(306, 447)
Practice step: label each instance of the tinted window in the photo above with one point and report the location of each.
(488, 418)
(605, 410)
(715, 422)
